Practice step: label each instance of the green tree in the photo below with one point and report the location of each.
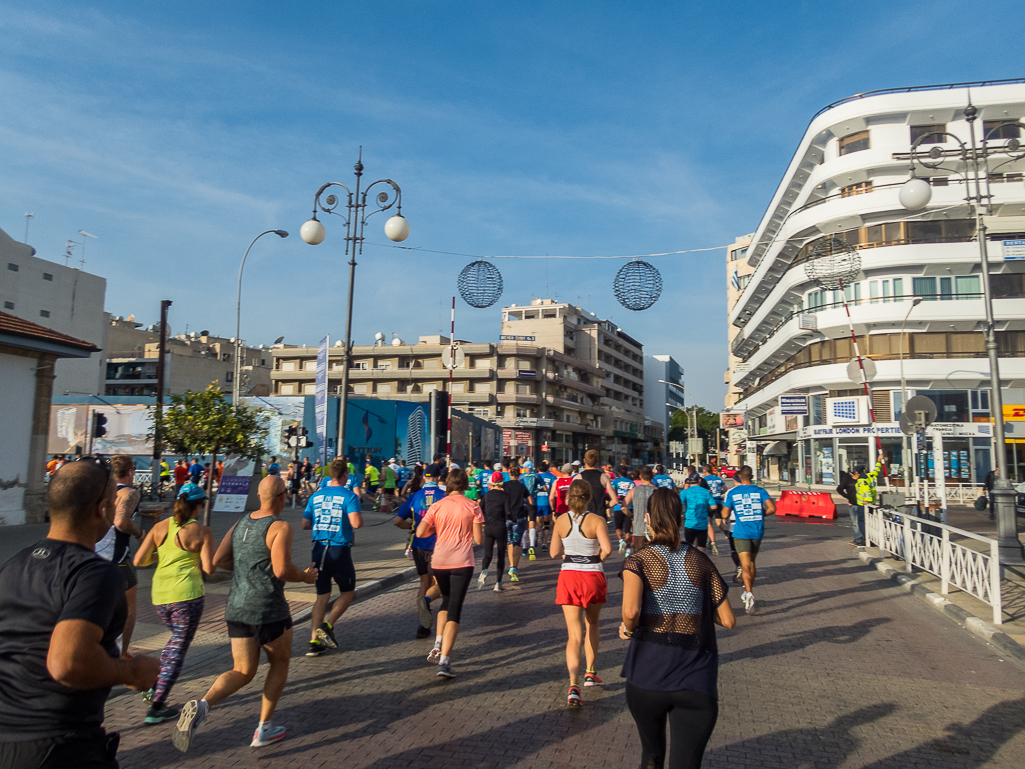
(205, 423)
(707, 424)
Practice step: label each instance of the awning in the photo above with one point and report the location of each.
(777, 449)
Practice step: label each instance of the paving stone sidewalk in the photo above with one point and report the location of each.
(839, 668)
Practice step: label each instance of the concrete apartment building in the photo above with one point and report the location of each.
(738, 276)
(64, 299)
(617, 357)
(194, 362)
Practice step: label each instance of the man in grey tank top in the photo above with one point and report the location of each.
(637, 505)
(258, 552)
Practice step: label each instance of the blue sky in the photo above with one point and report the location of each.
(179, 131)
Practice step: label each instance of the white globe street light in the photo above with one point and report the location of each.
(397, 228)
(313, 232)
(915, 194)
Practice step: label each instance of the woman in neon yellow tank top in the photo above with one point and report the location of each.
(183, 549)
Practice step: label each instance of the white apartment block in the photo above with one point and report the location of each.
(792, 335)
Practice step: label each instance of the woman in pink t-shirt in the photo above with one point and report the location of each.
(459, 523)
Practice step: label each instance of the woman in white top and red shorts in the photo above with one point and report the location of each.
(582, 539)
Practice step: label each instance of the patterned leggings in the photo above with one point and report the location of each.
(182, 618)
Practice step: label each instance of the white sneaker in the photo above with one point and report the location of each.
(480, 580)
(267, 736)
(499, 588)
(622, 545)
(749, 602)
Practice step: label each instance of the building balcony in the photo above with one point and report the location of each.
(573, 405)
(385, 375)
(576, 384)
(525, 399)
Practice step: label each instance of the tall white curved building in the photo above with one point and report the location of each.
(415, 430)
(793, 336)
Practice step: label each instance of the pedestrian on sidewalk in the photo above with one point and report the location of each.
(258, 552)
(746, 505)
(673, 596)
(422, 548)
(184, 550)
(582, 539)
(459, 524)
(333, 512)
(849, 491)
(62, 608)
(495, 506)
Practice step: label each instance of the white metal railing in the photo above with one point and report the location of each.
(961, 493)
(976, 572)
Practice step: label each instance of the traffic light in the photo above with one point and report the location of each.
(99, 424)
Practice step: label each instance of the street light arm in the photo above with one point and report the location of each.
(331, 202)
(385, 199)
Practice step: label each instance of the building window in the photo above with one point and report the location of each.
(855, 189)
(898, 289)
(229, 377)
(1001, 129)
(743, 281)
(967, 286)
(932, 133)
(47, 276)
(886, 291)
(8, 305)
(522, 413)
(946, 288)
(383, 366)
(739, 253)
(12, 267)
(854, 143)
(44, 313)
(873, 291)
(925, 288)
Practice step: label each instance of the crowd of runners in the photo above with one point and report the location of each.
(506, 510)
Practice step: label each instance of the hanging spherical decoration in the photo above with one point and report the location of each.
(480, 284)
(832, 263)
(638, 285)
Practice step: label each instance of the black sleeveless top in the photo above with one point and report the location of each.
(122, 540)
(599, 499)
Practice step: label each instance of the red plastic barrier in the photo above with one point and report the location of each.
(806, 504)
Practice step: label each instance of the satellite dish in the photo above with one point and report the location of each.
(919, 412)
(854, 371)
(279, 340)
(397, 342)
(338, 343)
(447, 358)
(379, 338)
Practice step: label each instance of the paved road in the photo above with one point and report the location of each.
(839, 669)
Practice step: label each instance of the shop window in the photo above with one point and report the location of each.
(951, 405)
(929, 134)
(855, 142)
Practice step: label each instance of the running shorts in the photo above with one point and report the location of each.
(543, 511)
(266, 633)
(624, 522)
(715, 510)
(335, 563)
(128, 572)
(453, 584)
(580, 588)
(422, 560)
(515, 531)
(751, 546)
(371, 488)
(697, 537)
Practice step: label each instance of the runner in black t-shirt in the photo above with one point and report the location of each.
(62, 608)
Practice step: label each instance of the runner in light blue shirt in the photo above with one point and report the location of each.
(746, 506)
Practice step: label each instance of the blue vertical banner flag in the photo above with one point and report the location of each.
(320, 400)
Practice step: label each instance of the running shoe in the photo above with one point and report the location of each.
(715, 548)
(499, 588)
(326, 635)
(739, 575)
(435, 656)
(424, 609)
(513, 576)
(316, 649)
(159, 714)
(591, 679)
(267, 736)
(629, 552)
(622, 545)
(445, 671)
(750, 605)
(480, 580)
(574, 700)
(191, 715)
(422, 632)
(532, 554)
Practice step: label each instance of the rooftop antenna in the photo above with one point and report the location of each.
(28, 217)
(88, 235)
(69, 251)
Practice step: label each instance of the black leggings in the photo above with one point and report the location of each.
(733, 552)
(692, 716)
(453, 584)
(494, 536)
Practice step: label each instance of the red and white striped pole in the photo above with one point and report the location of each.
(451, 368)
(861, 367)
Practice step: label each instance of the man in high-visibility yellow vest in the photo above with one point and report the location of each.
(865, 494)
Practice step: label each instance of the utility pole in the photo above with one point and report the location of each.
(158, 448)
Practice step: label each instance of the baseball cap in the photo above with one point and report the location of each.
(391, 460)
(453, 466)
(497, 467)
(497, 477)
(528, 464)
(433, 470)
(693, 478)
(192, 492)
(576, 461)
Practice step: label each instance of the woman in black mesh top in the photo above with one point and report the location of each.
(673, 596)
